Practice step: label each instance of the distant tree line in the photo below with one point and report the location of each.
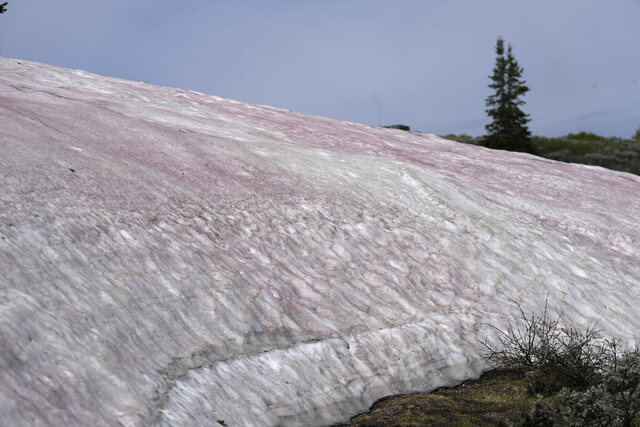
(584, 147)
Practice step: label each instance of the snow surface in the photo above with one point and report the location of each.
(174, 258)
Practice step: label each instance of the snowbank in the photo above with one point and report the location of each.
(174, 258)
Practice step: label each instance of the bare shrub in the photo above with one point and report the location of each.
(553, 356)
(587, 380)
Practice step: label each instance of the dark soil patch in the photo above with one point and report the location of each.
(493, 400)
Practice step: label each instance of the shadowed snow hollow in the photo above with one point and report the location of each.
(174, 258)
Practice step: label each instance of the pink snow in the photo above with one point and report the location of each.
(170, 257)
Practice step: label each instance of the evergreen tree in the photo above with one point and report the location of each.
(508, 130)
(3, 7)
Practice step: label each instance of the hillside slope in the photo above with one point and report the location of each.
(174, 258)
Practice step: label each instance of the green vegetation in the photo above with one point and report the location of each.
(508, 129)
(588, 148)
(583, 147)
(613, 401)
(3, 7)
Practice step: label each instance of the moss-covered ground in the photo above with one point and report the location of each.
(493, 400)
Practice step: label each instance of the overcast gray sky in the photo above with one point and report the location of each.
(424, 63)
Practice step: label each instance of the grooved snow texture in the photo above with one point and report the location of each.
(173, 258)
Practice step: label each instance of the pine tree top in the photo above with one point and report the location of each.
(508, 129)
